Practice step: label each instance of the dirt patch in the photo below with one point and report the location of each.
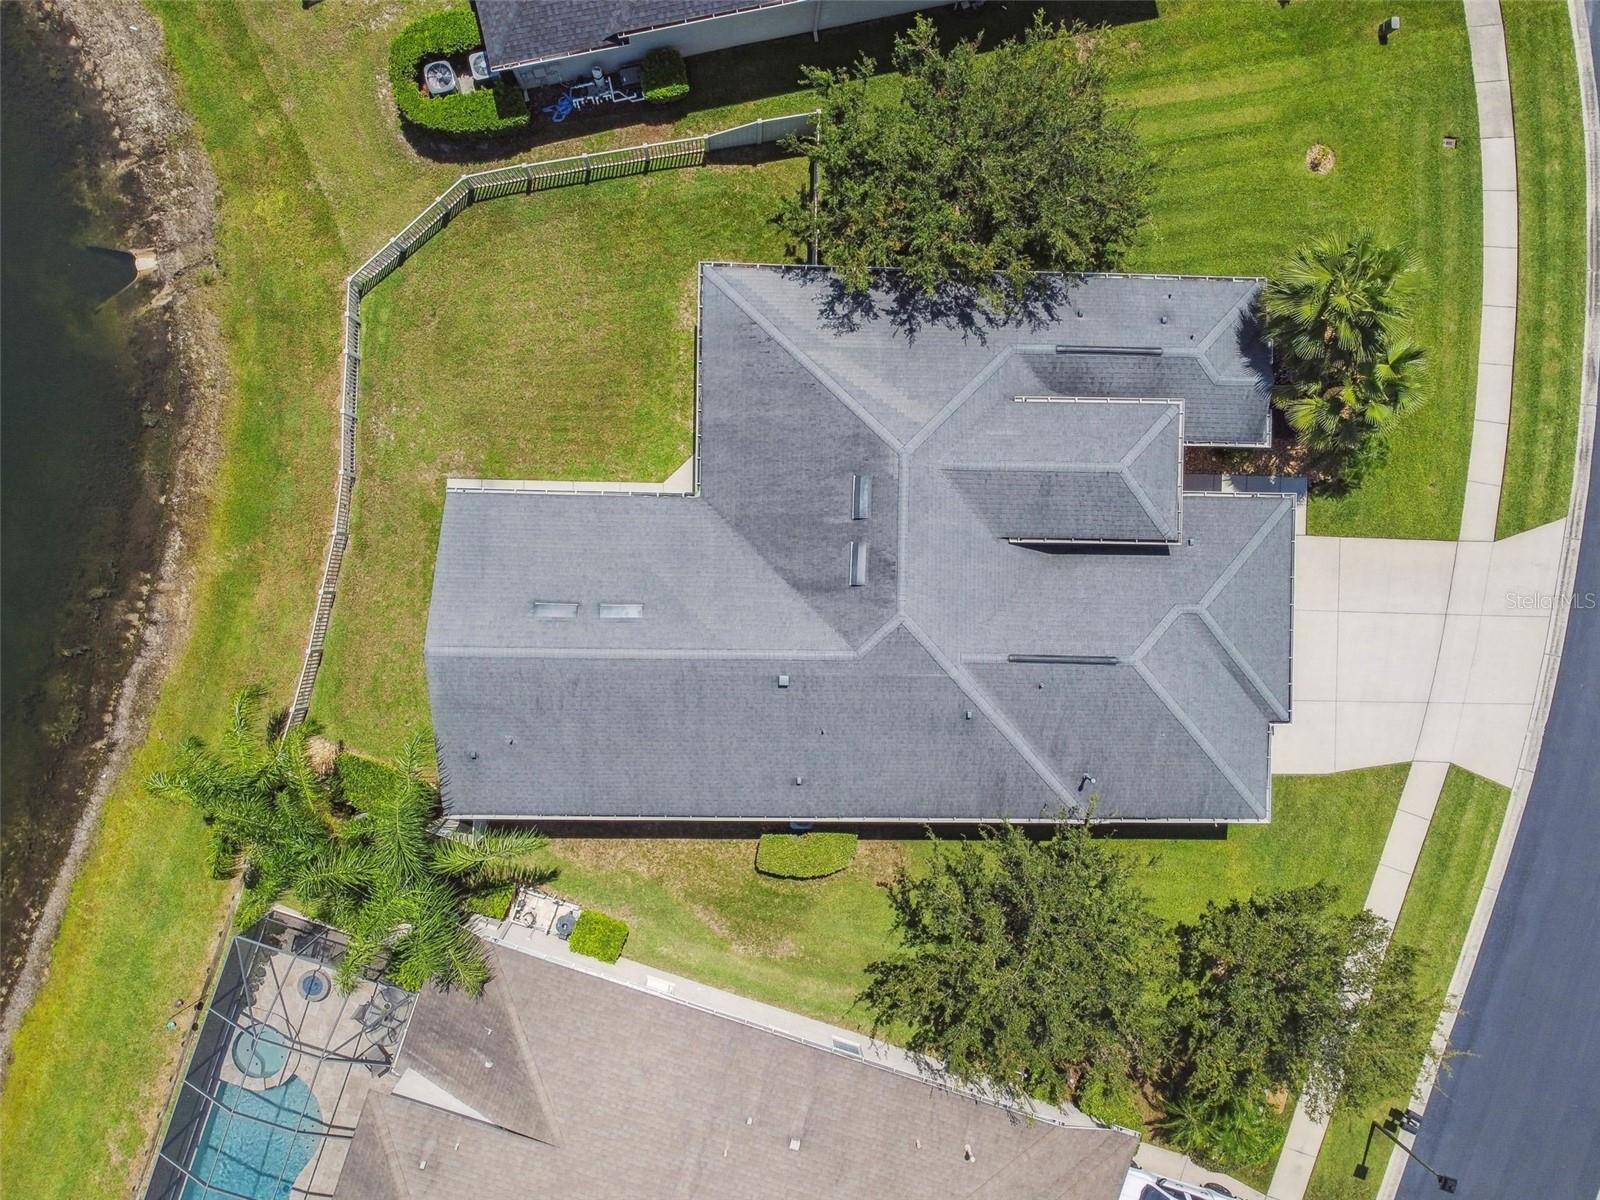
(1319, 159)
(154, 157)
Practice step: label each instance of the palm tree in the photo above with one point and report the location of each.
(375, 868)
(1336, 313)
(269, 816)
(1338, 412)
(417, 882)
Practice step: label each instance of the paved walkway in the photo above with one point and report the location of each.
(1453, 638)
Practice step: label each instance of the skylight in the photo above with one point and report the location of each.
(554, 610)
(621, 612)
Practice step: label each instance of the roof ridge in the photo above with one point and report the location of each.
(1183, 718)
(1205, 343)
(1137, 489)
(1255, 681)
(988, 708)
(955, 403)
(372, 1111)
(1173, 413)
(1225, 577)
(839, 391)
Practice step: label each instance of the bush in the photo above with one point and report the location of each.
(598, 936)
(1109, 1095)
(804, 855)
(665, 78)
(494, 903)
(487, 112)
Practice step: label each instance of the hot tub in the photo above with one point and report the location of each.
(260, 1051)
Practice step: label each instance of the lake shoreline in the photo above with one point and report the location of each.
(115, 53)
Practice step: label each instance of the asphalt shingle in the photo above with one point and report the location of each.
(905, 701)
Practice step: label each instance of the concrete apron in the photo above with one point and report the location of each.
(1417, 651)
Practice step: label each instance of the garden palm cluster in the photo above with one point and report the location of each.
(359, 846)
(1336, 314)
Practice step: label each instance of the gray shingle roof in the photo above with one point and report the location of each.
(905, 701)
(653, 1098)
(522, 31)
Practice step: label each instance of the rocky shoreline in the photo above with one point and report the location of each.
(153, 156)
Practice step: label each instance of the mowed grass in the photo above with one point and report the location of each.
(1552, 252)
(1231, 96)
(698, 908)
(92, 1058)
(576, 362)
(1434, 918)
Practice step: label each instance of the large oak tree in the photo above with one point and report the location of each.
(974, 166)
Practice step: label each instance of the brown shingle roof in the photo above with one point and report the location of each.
(653, 1098)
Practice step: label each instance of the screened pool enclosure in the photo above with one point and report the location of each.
(281, 1067)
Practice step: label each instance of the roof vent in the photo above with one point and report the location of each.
(858, 564)
(1129, 351)
(554, 610)
(861, 508)
(621, 612)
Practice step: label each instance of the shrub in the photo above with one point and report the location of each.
(487, 112)
(598, 936)
(665, 78)
(494, 903)
(1109, 1095)
(804, 855)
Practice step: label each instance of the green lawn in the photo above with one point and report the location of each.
(1552, 241)
(697, 907)
(1437, 910)
(580, 366)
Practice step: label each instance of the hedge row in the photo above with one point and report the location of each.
(494, 903)
(487, 112)
(804, 855)
(599, 936)
(665, 78)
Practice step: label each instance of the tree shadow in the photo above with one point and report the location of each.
(952, 306)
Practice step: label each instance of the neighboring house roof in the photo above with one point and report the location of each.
(517, 32)
(652, 1097)
(967, 677)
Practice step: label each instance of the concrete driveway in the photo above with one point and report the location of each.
(1409, 650)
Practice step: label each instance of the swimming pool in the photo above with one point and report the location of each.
(260, 1051)
(259, 1157)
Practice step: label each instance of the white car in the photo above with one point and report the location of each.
(1141, 1185)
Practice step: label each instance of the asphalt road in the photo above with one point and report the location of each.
(1518, 1116)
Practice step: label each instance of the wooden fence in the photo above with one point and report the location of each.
(522, 179)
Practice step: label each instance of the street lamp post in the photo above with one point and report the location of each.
(1447, 1183)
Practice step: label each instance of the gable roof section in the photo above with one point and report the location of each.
(1057, 469)
(518, 32)
(968, 671)
(770, 1116)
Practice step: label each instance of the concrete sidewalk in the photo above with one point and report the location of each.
(1433, 652)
